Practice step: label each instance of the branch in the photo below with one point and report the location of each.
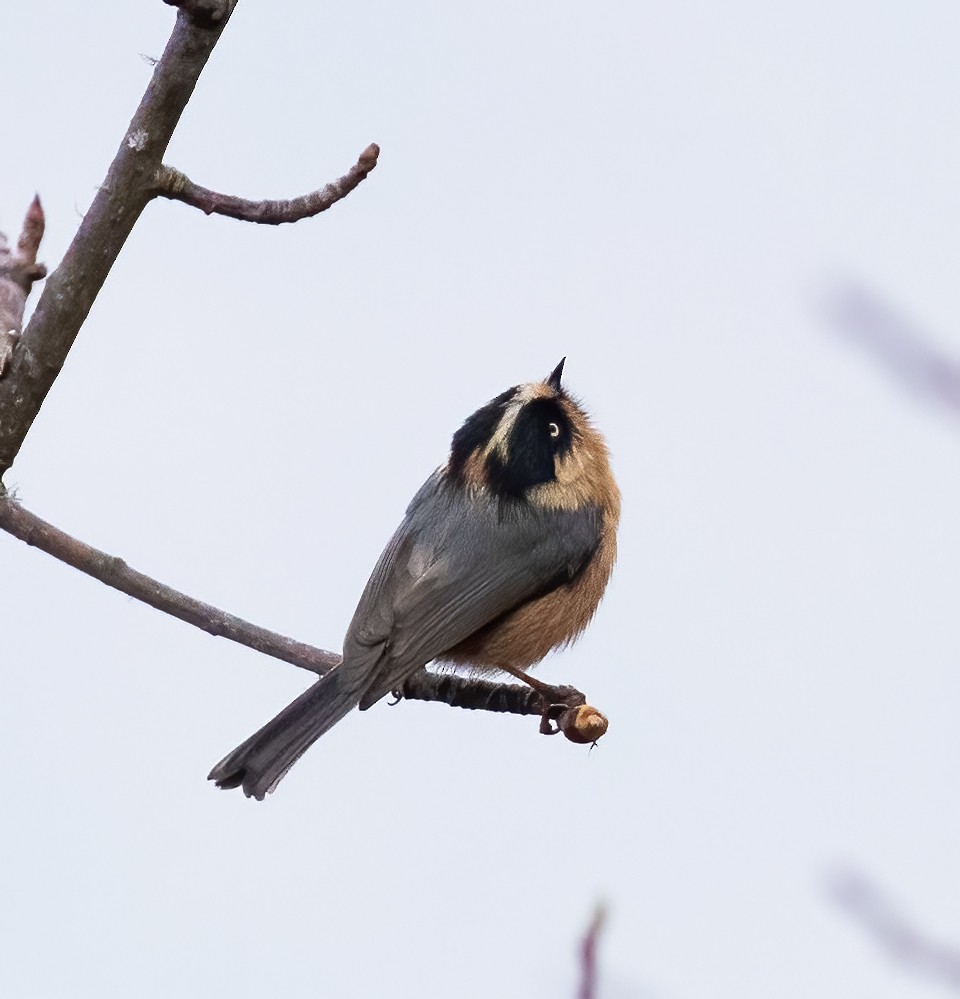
(588, 954)
(113, 571)
(18, 271)
(905, 350)
(562, 707)
(170, 183)
(39, 354)
(893, 932)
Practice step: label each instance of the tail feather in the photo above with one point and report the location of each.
(260, 763)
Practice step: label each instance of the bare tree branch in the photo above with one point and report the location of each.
(18, 271)
(113, 571)
(907, 352)
(588, 955)
(893, 932)
(560, 708)
(173, 184)
(34, 359)
(473, 694)
(40, 352)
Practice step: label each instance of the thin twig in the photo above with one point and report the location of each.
(171, 183)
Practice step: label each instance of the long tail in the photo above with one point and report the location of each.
(260, 763)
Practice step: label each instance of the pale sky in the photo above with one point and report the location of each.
(660, 192)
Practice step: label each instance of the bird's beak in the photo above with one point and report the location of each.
(553, 379)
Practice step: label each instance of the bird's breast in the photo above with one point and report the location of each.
(524, 635)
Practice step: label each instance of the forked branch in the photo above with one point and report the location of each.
(68, 295)
(31, 360)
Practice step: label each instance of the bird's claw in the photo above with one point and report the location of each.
(557, 701)
(550, 719)
(566, 710)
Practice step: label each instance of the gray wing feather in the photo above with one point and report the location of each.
(457, 562)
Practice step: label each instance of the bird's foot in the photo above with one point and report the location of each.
(557, 702)
(567, 711)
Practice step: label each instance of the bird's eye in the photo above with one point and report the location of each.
(553, 430)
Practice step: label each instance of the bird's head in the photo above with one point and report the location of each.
(534, 442)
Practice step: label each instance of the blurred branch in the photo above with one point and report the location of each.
(588, 955)
(178, 187)
(862, 900)
(907, 354)
(18, 272)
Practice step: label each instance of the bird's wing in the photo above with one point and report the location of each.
(457, 562)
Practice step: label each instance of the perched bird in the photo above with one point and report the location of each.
(503, 555)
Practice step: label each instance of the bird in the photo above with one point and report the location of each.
(503, 555)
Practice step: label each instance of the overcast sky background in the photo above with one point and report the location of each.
(661, 192)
